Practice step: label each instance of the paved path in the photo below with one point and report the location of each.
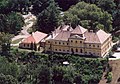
(29, 21)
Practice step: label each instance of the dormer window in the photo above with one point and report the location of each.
(81, 35)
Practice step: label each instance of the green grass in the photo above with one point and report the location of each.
(16, 41)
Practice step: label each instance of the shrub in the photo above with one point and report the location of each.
(109, 77)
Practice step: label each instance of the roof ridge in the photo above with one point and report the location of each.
(98, 37)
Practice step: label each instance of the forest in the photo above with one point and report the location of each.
(37, 68)
(23, 67)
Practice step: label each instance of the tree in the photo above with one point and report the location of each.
(65, 4)
(7, 79)
(43, 75)
(4, 6)
(116, 16)
(39, 6)
(8, 68)
(11, 23)
(88, 16)
(49, 18)
(8, 6)
(107, 5)
(5, 41)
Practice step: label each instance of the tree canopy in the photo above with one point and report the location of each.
(107, 5)
(48, 18)
(5, 41)
(7, 6)
(39, 6)
(88, 16)
(11, 23)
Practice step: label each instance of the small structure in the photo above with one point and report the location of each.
(33, 42)
(65, 63)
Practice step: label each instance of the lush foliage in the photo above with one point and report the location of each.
(89, 16)
(111, 6)
(10, 20)
(5, 41)
(36, 68)
(11, 23)
(48, 16)
(6, 6)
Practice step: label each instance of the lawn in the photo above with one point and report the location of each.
(16, 41)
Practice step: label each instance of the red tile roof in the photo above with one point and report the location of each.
(36, 37)
(79, 30)
(91, 37)
(30, 39)
(102, 35)
(63, 36)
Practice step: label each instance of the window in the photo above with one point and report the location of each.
(63, 43)
(93, 45)
(67, 50)
(80, 41)
(55, 42)
(59, 43)
(98, 46)
(71, 41)
(89, 45)
(48, 41)
(59, 49)
(75, 36)
(55, 49)
(76, 41)
(72, 50)
(76, 50)
(81, 51)
(67, 43)
(28, 45)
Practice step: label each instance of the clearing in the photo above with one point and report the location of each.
(115, 64)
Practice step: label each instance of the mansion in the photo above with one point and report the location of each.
(80, 41)
(65, 39)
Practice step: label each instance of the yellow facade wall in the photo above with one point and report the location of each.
(78, 46)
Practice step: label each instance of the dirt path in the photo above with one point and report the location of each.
(29, 21)
(115, 64)
(115, 70)
(103, 80)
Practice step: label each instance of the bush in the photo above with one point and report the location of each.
(109, 77)
(114, 47)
